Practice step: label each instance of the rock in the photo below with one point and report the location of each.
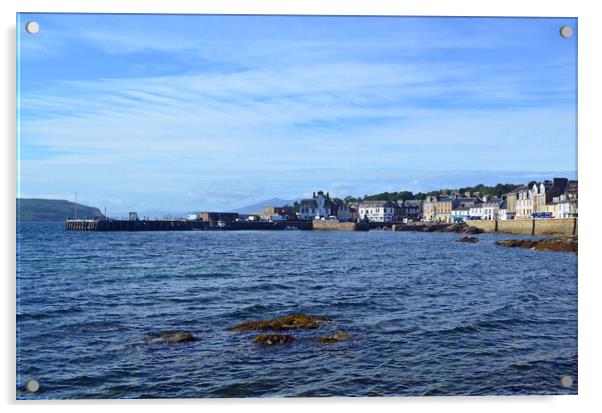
(468, 239)
(516, 243)
(288, 322)
(462, 228)
(455, 228)
(558, 245)
(273, 339)
(172, 337)
(472, 230)
(336, 337)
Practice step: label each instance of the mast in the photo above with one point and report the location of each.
(75, 206)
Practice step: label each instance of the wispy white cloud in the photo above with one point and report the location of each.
(269, 124)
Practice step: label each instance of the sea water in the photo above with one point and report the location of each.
(428, 316)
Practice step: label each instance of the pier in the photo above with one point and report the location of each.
(181, 225)
(198, 225)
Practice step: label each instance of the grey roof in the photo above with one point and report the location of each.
(310, 203)
(373, 204)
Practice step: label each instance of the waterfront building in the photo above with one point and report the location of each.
(524, 203)
(429, 209)
(544, 193)
(476, 211)
(538, 194)
(460, 214)
(465, 201)
(379, 211)
(268, 212)
(572, 195)
(511, 201)
(411, 209)
(341, 210)
(502, 213)
(438, 208)
(491, 209)
(566, 203)
(444, 209)
(318, 206)
(537, 198)
(551, 209)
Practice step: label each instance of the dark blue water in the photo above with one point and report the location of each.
(429, 316)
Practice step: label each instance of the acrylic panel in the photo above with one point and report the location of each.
(295, 206)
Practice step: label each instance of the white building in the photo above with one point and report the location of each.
(491, 210)
(319, 206)
(563, 206)
(476, 211)
(460, 214)
(378, 211)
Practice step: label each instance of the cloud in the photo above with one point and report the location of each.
(292, 114)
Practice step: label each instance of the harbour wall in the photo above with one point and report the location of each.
(557, 227)
(326, 225)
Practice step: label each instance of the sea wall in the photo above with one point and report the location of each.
(331, 225)
(562, 227)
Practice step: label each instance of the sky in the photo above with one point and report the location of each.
(190, 112)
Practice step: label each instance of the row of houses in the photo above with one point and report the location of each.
(322, 206)
(556, 198)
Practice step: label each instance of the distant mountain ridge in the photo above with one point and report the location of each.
(250, 209)
(52, 210)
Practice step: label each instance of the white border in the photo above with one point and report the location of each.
(590, 29)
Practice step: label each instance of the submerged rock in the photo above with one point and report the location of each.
(288, 322)
(336, 337)
(273, 339)
(172, 337)
(468, 239)
(559, 245)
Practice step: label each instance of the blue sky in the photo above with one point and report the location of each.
(182, 113)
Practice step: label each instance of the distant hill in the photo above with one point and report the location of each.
(250, 209)
(52, 210)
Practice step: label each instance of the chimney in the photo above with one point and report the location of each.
(314, 195)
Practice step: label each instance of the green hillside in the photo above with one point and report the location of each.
(52, 210)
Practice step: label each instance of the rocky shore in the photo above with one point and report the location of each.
(558, 245)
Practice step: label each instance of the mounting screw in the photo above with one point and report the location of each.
(32, 27)
(566, 31)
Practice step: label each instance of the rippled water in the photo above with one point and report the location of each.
(429, 316)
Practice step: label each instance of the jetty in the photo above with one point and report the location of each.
(240, 225)
(181, 225)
